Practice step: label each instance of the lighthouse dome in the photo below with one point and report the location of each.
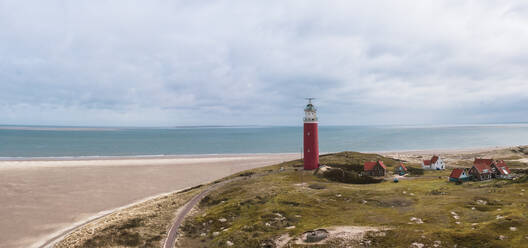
(310, 107)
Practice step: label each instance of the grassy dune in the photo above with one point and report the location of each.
(142, 225)
(257, 210)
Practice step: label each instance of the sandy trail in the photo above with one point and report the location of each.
(39, 198)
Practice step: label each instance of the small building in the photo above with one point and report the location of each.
(482, 169)
(459, 175)
(501, 170)
(400, 169)
(435, 163)
(374, 169)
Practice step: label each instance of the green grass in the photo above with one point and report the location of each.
(258, 208)
(141, 225)
(354, 160)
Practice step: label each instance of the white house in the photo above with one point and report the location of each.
(435, 163)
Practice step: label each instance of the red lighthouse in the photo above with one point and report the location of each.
(311, 139)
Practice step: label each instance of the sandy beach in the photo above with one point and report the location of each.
(41, 197)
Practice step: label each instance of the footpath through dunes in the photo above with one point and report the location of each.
(40, 198)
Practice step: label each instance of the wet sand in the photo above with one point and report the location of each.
(39, 198)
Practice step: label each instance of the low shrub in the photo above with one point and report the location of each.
(520, 171)
(316, 186)
(343, 176)
(415, 171)
(246, 174)
(348, 167)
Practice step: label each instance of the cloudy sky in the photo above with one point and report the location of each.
(168, 63)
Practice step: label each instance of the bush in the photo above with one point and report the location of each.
(520, 171)
(340, 175)
(354, 160)
(415, 171)
(317, 186)
(523, 179)
(348, 167)
(246, 174)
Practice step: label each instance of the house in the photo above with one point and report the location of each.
(459, 175)
(374, 169)
(435, 163)
(501, 170)
(481, 169)
(400, 169)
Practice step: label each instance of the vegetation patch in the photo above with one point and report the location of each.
(142, 225)
(353, 161)
(520, 171)
(340, 175)
(246, 174)
(415, 171)
(316, 186)
(481, 203)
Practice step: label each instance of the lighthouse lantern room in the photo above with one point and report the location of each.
(311, 139)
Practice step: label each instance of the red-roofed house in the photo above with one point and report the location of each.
(459, 175)
(400, 169)
(374, 169)
(435, 163)
(501, 170)
(482, 169)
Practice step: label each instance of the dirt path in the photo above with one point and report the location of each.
(183, 211)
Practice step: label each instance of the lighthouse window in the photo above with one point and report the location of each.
(308, 150)
(308, 133)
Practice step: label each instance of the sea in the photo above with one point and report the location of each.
(31, 142)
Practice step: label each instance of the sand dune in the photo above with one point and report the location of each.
(40, 198)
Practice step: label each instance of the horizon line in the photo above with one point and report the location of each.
(113, 127)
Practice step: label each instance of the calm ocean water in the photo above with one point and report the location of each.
(225, 140)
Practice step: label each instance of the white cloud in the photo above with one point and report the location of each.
(244, 62)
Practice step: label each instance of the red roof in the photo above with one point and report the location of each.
(403, 166)
(368, 166)
(456, 173)
(434, 159)
(487, 162)
(503, 168)
(482, 168)
(483, 165)
(427, 162)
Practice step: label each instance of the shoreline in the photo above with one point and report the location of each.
(199, 155)
(135, 162)
(121, 157)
